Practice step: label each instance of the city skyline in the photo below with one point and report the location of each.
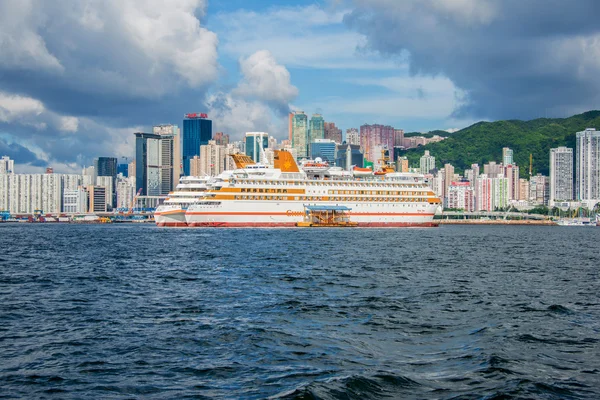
(248, 64)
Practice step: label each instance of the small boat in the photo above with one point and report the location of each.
(575, 222)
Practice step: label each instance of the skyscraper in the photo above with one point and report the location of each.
(448, 177)
(170, 155)
(588, 166)
(254, 142)
(143, 171)
(507, 156)
(107, 167)
(561, 174)
(317, 127)
(197, 130)
(300, 133)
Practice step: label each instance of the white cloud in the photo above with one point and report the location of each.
(420, 86)
(236, 116)
(69, 124)
(266, 80)
(19, 108)
(260, 102)
(308, 37)
(30, 112)
(20, 45)
(143, 47)
(170, 33)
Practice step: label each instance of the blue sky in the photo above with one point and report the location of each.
(77, 79)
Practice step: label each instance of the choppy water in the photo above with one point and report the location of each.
(135, 311)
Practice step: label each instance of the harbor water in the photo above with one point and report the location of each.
(136, 311)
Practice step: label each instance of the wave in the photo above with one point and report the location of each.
(378, 386)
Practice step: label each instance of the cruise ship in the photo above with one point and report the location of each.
(189, 190)
(278, 196)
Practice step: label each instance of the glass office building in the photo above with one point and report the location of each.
(324, 149)
(253, 141)
(197, 131)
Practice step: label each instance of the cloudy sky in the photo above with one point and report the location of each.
(77, 78)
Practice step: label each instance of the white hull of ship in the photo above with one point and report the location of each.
(286, 214)
(172, 216)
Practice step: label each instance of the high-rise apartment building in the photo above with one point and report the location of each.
(125, 192)
(523, 190)
(493, 169)
(427, 163)
(75, 201)
(539, 189)
(299, 124)
(483, 193)
(511, 172)
(402, 164)
(561, 174)
(221, 138)
(195, 165)
(197, 130)
(316, 128)
(131, 169)
(332, 132)
(107, 183)
(156, 167)
(170, 154)
(588, 166)
(461, 196)
(398, 137)
(448, 177)
(255, 143)
(507, 156)
(97, 199)
(212, 158)
(89, 175)
(26, 193)
(352, 136)
(4, 188)
(7, 166)
(376, 136)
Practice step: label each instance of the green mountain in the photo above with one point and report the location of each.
(483, 142)
(429, 134)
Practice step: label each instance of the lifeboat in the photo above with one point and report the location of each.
(362, 171)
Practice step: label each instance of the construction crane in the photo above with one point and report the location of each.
(530, 164)
(130, 211)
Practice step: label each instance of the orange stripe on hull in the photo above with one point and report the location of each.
(293, 224)
(358, 214)
(170, 212)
